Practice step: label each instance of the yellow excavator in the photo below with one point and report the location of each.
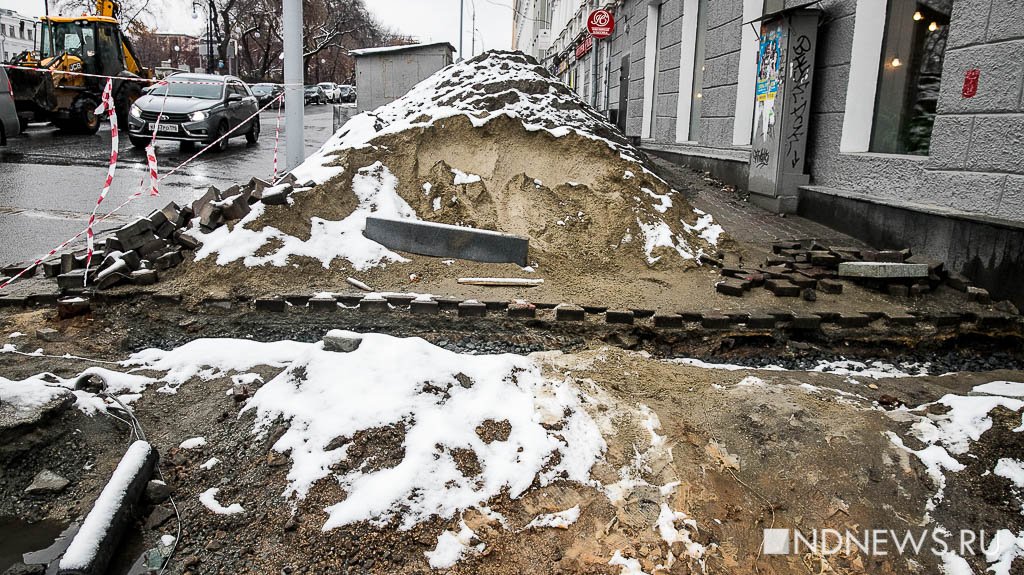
(45, 91)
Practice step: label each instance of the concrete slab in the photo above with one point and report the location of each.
(442, 240)
(882, 270)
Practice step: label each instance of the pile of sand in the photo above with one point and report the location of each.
(495, 143)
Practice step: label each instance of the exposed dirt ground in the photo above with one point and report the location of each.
(747, 457)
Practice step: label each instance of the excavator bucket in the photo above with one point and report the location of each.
(33, 91)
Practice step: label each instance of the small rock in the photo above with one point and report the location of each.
(291, 525)
(888, 401)
(241, 392)
(1006, 306)
(872, 386)
(214, 545)
(275, 459)
(809, 294)
(341, 343)
(48, 334)
(47, 481)
(158, 517)
(157, 491)
(20, 568)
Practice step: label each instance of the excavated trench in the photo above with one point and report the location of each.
(930, 350)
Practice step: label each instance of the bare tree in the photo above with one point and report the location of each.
(131, 10)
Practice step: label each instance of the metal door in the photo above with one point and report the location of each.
(623, 92)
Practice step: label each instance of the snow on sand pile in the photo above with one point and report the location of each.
(440, 403)
(495, 142)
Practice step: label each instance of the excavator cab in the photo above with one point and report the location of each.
(68, 47)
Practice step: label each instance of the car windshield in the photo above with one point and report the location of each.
(183, 88)
(261, 90)
(344, 89)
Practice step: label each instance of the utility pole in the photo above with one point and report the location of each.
(462, 10)
(293, 79)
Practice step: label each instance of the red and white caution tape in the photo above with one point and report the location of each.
(107, 105)
(131, 198)
(129, 79)
(277, 141)
(151, 150)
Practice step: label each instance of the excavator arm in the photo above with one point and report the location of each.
(108, 8)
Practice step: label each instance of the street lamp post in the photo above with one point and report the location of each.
(211, 25)
(293, 79)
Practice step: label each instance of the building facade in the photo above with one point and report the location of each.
(531, 32)
(911, 124)
(17, 34)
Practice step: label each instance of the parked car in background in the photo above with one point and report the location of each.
(195, 108)
(9, 124)
(266, 93)
(346, 94)
(315, 95)
(330, 90)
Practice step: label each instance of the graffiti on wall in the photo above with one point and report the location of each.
(799, 101)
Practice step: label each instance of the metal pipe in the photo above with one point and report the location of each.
(462, 10)
(293, 80)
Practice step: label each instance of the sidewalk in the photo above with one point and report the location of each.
(745, 222)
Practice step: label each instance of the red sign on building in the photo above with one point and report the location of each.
(971, 83)
(584, 46)
(601, 23)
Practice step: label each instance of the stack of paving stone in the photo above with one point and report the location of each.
(801, 268)
(137, 252)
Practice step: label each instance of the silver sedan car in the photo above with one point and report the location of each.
(195, 108)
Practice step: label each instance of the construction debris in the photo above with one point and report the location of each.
(501, 282)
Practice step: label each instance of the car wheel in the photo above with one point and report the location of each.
(139, 143)
(253, 135)
(221, 145)
(83, 117)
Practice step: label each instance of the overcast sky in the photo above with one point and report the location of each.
(427, 20)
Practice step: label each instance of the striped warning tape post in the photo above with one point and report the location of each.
(277, 141)
(153, 179)
(107, 105)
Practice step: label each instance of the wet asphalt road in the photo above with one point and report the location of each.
(49, 181)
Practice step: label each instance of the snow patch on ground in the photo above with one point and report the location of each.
(209, 500)
(945, 435)
(559, 520)
(1012, 469)
(193, 443)
(462, 178)
(1004, 388)
(326, 395)
(212, 358)
(451, 547)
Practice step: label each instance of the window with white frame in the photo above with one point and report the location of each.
(909, 75)
(895, 71)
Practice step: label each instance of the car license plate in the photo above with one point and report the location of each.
(163, 127)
